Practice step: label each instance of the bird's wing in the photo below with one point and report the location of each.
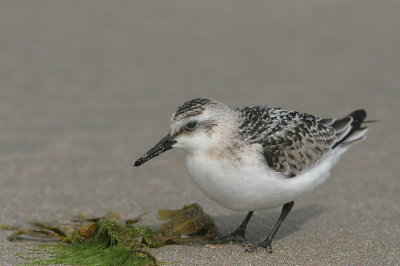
(293, 141)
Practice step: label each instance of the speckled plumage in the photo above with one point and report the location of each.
(257, 158)
(291, 141)
(191, 108)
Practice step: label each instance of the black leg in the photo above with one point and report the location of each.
(240, 231)
(267, 242)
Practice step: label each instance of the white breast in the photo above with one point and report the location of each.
(249, 184)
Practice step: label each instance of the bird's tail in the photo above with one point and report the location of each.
(350, 129)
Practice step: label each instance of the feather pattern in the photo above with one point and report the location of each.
(293, 141)
(260, 157)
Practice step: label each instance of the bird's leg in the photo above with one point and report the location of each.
(267, 242)
(240, 231)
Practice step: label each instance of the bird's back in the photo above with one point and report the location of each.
(292, 141)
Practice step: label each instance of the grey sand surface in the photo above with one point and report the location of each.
(86, 87)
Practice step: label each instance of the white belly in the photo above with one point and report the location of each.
(251, 185)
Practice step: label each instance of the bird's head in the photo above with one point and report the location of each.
(197, 125)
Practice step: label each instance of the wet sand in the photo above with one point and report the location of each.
(87, 87)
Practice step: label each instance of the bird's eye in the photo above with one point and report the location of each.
(191, 125)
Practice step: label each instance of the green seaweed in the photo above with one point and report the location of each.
(186, 226)
(110, 244)
(108, 241)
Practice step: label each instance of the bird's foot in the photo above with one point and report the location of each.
(264, 244)
(229, 238)
(237, 237)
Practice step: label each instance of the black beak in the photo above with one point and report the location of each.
(164, 145)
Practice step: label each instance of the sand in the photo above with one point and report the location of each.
(87, 87)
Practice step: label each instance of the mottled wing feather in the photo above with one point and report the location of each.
(327, 121)
(291, 141)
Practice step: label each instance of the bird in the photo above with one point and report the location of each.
(256, 158)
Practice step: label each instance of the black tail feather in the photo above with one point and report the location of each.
(358, 118)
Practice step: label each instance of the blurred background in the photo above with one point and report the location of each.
(86, 87)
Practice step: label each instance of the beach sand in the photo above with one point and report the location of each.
(86, 87)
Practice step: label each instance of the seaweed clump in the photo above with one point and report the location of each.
(108, 241)
(104, 243)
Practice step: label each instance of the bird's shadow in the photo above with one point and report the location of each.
(261, 223)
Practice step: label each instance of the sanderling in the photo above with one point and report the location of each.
(259, 157)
